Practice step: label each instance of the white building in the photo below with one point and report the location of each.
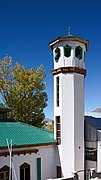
(33, 154)
(72, 151)
(93, 145)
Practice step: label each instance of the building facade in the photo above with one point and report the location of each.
(27, 152)
(73, 151)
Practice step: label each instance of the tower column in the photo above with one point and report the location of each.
(69, 102)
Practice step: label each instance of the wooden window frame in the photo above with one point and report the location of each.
(5, 169)
(58, 129)
(25, 166)
(3, 115)
(58, 169)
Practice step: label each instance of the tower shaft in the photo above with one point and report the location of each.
(69, 72)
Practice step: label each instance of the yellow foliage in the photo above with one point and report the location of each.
(22, 88)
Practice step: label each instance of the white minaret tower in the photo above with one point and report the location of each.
(69, 72)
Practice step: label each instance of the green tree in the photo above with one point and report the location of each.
(23, 90)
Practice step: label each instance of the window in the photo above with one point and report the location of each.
(57, 54)
(78, 52)
(58, 129)
(38, 168)
(57, 91)
(25, 172)
(91, 154)
(67, 51)
(3, 115)
(58, 172)
(4, 173)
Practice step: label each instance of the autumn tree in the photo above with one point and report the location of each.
(23, 90)
(50, 127)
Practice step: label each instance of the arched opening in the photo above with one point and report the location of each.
(25, 171)
(57, 54)
(67, 51)
(78, 52)
(4, 173)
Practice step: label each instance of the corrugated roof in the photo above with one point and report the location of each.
(23, 134)
(5, 108)
(95, 122)
(93, 114)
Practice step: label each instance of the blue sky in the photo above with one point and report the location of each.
(27, 26)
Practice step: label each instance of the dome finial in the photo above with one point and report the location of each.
(69, 31)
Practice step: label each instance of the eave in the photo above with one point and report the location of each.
(69, 38)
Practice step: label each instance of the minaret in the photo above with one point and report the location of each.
(69, 72)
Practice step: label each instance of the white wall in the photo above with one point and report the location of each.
(72, 60)
(90, 164)
(99, 157)
(48, 164)
(79, 121)
(71, 112)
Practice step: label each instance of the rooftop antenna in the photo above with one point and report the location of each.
(11, 160)
(69, 31)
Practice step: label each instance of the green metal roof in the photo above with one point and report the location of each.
(6, 108)
(7, 120)
(23, 134)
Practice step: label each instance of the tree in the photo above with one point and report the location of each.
(50, 127)
(23, 90)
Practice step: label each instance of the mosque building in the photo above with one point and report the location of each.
(73, 151)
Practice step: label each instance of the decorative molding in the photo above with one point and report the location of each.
(25, 165)
(69, 70)
(69, 38)
(28, 145)
(19, 152)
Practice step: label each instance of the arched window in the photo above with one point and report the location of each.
(78, 52)
(25, 172)
(57, 54)
(4, 173)
(67, 51)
